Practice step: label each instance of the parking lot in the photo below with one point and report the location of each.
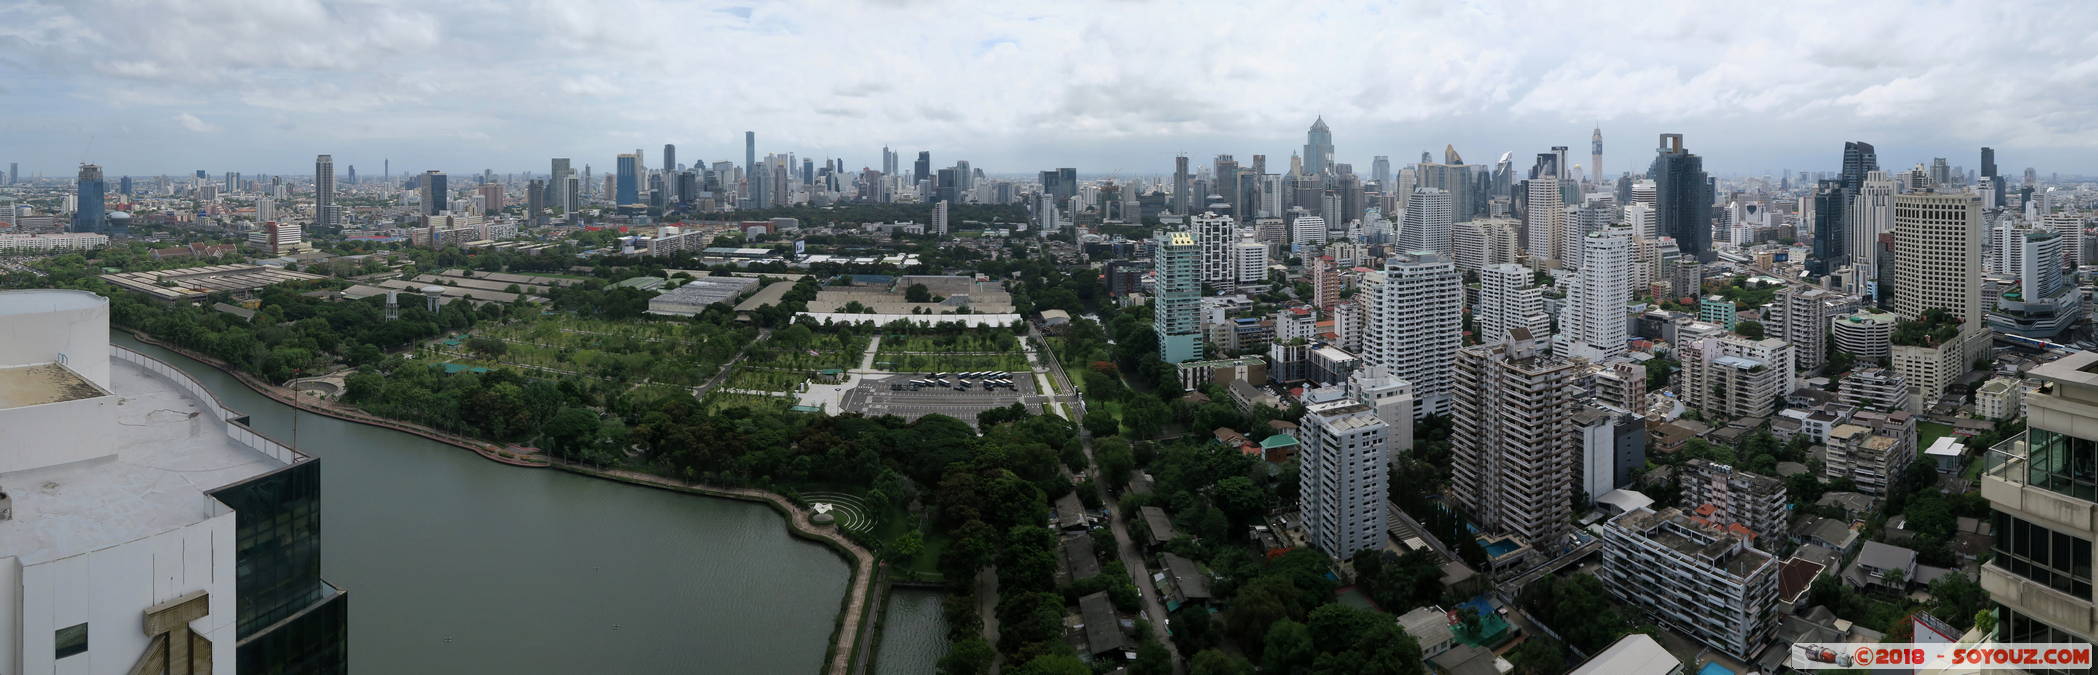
(875, 396)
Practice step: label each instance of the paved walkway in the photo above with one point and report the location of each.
(729, 367)
(831, 397)
(856, 597)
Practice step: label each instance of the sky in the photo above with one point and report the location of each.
(147, 87)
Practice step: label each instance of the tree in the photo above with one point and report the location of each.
(1539, 655)
(1752, 330)
(1151, 658)
(1288, 649)
(917, 293)
(972, 656)
(1054, 664)
(1213, 662)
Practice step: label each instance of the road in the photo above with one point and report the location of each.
(726, 368)
(1125, 545)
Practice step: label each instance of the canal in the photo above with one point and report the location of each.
(456, 564)
(914, 632)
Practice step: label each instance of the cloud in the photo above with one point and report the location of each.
(1015, 88)
(191, 123)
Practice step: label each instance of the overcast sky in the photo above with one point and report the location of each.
(167, 86)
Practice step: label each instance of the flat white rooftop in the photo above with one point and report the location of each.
(23, 386)
(169, 451)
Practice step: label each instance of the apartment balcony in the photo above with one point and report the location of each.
(2035, 475)
(2033, 599)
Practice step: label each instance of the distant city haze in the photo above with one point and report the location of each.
(166, 87)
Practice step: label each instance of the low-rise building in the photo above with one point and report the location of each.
(1697, 577)
(1998, 399)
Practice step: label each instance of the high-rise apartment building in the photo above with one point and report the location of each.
(1215, 234)
(1307, 232)
(1695, 576)
(1325, 282)
(1682, 197)
(2042, 498)
(1871, 215)
(1176, 304)
(1730, 377)
(1484, 242)
(1249, 262)
(1181, 186)
(1416, 324)
(1800, 316)
(1543, 220)
(1345, 455)
(939, 219)
(325, 213)
(1513, 438)
(1594, 323)
(1426, 225)
(2045, 303)
(1507, 301)
(1753, 500)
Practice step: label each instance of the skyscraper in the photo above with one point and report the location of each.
(922, 171)
(436, 193)
(1380, 171)
(1426, 225)
(14, 173)
(1937, 240)
(324, 213)
(1682, 197)
(1513, 440)
(1858, 159)
(1595, 156)
(750, 155)
(939, 219)
(1416, 324)
(1180, 186)
(669, 159)
(1318, 148)
(1544, 216)
(1177, 303)
(535, 202)
(559, 192)
(88, 213)
(1993, 197)
(1452, 176)
(1831, 238)
(629, 190)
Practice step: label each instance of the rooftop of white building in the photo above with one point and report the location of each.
(170, 449)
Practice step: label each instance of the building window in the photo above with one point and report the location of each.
(71, 640)
(2064, 464)
(2052, 559)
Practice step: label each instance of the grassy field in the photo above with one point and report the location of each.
(1926, 432)
(718, 401)
(766, 379)
(964, 352)
(664, 352)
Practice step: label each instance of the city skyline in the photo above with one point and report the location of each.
(1009, 91)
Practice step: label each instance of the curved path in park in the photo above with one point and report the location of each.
(845, 643)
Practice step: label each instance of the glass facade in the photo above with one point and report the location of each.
(2063, 463)
(2053, 559)
(288, 619)
(2014, 627)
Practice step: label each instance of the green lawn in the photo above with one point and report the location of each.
(1927, 432)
